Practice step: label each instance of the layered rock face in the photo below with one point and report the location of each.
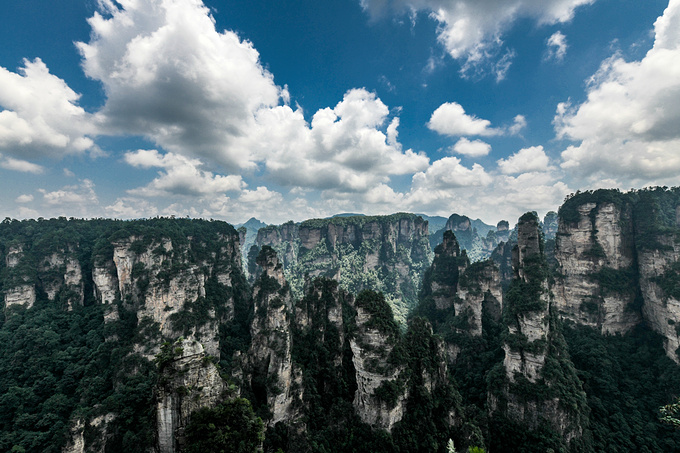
(537, 368)
(595, 256)
(618, 258)
(58, 274)
(460, 291)
(657, 226)
(384, 253)
(159, 281)
(371, 348)
(529, 316)
(189, 381)
(271, 371)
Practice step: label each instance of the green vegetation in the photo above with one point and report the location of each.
(669, 281)
(230, 427)
(369, 253)
(626, 379)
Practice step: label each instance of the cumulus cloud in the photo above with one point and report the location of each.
(349, 148)
(627, 129)
(525, 160)
(518, 125)
(25, 198)
(40, 115)
(10, 163)
(471, 31)
(72, 197)
(450, 119)
(171, 76)
(179, 176)
(448, 172)
(475, 148)
(557, 46)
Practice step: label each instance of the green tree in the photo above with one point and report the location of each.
(230, 427)
(671, 414)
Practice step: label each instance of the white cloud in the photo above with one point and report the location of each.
(41, 116)
(518, 125)
(557, 46)
(448, 173)
(10, 163)
(450, 119)
(346, 148)
(25, 198)
(171, 76)
(72, 197)
(131, 208)
(525, 160)
(472, 31)
(469, 148)
(627, 129)
(180, 176)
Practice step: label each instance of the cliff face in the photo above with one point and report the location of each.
(160, 281)
(618, 260)
(189, 381)
(657, 226)
(528, 315)
(270, 365)
(539, 384)
(591, 252)
(55, 272)
(384, 253)
(456, 294)
(371, 349)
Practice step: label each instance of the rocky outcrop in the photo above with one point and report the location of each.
(159, 280)
(189, 380)
(372, 345)
(57, 274)
(528, 312)
(661, 307)
(99, 426)
(272, 375)
(540, 385)
(359, 252)
(595, 252)
(457, 293)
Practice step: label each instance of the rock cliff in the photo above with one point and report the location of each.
(456, 294)
(617, 256)
(595, 282)
(375, 339)
(189, 380)
(271, 372)
(538, 384)
(383, 253)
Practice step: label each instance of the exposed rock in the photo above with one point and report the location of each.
(529, 315)
(272, 375)
(590, 252)
(189, 381)
(370, 351)
(532, 396)
(98, 425)
(20, 295)
(661, 310)
(360, 252)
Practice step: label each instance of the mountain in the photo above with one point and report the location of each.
(383, 253)
(250, 228)
(149, 336)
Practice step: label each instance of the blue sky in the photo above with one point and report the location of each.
(297, 109)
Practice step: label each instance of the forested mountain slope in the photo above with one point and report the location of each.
(148, 336)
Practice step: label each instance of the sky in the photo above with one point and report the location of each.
(295, 109)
